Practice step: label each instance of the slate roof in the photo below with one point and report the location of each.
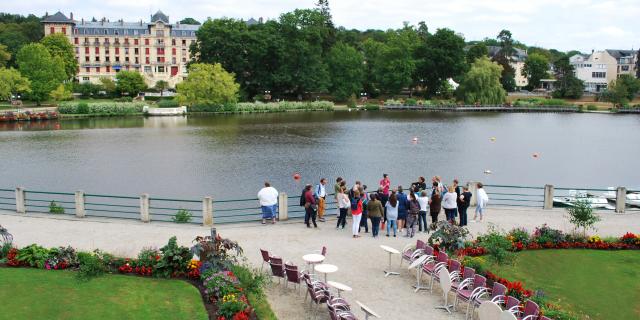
(58, 17)
(621, 53)
(159, 16)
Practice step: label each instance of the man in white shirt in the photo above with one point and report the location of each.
(268, 197)
(321, 194)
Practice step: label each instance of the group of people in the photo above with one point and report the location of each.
(394, 209)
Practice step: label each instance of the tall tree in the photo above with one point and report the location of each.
(622, 90)
(638, 65)
(346, 70)
(59, 46)
(567, 85)
(482, 83)
(208, 84)
(441, 57)
(161, 86)
(189, 21)
(17, 31)
(130, 82)
(43, 70)
(536, 67)
(504, 57)
(476, 51)
(12, 82)
(5, 56)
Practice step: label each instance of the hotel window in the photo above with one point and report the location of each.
(173, 51)
(184, 43)
(105, 31)
(126, 32)
(77, 50)
(97, 50)
(117, 50)
(126, 59)
(126, 50)
(52, 30)
(76, 40)
(160, 51)
(136, 51)
(117, 58)
(173, 42)
(147, 69)
(146, 42)
(85, 78)
(107, 58)
(137, 61)
(75, 30)
(86, 50)
(98, 69)
(97, 59)
(64, 30)
(625, 68)
(146, 50)
(106, 51)
(173, 60)
(135, 33)
(108, 69)
(598, 74)
(86, 58)
(160, 69)
(146, 60)
(135, 42)
(88, 70)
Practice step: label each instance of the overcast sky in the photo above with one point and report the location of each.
(563, 24)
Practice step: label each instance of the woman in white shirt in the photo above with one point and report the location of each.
(449, 204)
(424, 207)
(482, 199)
(343, 206)
(392, 213)
(268, 197)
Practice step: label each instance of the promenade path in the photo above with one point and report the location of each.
(360, 261)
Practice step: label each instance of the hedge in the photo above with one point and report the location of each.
(101, 108)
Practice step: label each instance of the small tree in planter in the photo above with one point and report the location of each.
(581, 215)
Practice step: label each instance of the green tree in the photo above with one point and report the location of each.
(189, 21)
(44, 71)
(476, 51)
(638, 65)
(390, 65)
(161, 86)
(109, 86)
(87, 89)
(130, 82)
(622, 90)
(535, 69)
(61, 93)
(581, 215)
(567, 84)
(346, 70)
(504, 58)
(441, 57)
(12, 82)
(17, 31)
(59, 46)
(482, 83)
(5, 56)
(208, 84)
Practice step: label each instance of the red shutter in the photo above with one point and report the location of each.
(146, 42)
(52, 30)
(64, 30)
(174, 71)
(135, 42)
(146, 50)
(117, 50)
(98, 69)
(75, 40)
(108, 69)
(86, 50)
(173, 51)
(97, 50)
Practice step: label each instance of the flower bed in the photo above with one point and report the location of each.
(224, 294)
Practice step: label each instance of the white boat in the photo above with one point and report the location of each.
(597, 202)
(632, 199)
(164, 111)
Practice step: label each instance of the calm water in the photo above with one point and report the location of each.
(230, 156)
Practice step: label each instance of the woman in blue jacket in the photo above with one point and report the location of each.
(403, 207)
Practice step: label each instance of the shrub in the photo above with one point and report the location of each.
(448, 237)
(497, 245)
(251, 281)
(352, 102)
(216, 253)
(592, 107)
(82, 108)
(61, 258)
(219, 284)
(581, 215)
(545, 234)
(371, 107)
(168, 103)
(477, 263)
(519, 235)
(392, 102)
(101, 108)
(33, 256)
(630, 238)
(411, 102)
(183, 216)
(124, 99)
(175, 259)
(92, 264)
(55, 208)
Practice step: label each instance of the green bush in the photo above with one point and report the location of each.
(411, 102)
(592, 107)
(175, 259)
(92, 264)
(55, 208)
(392, 102)
(497, 245)
(168, 103)
(33, 256)
(479, 264)
(371, 106)
(264, 107)
(519, 235)
(101, 108)
(82, 108)
(581, 215)
(352, 102)
(123, 99)
(182, 216)
(535, 102)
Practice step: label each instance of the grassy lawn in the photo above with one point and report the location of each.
(600, 284)
(42, 294)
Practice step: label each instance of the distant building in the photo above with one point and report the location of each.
(517, 63)
(157, 49)
(599, 68)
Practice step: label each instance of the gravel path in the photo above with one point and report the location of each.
(360, 261)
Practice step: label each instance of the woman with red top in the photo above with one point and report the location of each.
(356, 213)
(385, 184)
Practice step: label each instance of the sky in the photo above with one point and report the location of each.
(583, 25)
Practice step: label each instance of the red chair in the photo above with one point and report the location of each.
(265, 258)
(468, 290)
(467, 273)
(338, 306)
(277, 268)
(293, 275)
(497, 295)
(454, 271)
(512, 305)
(317, 293)
(442, 262)
(531, 311)
(544, 318)
(411, 252)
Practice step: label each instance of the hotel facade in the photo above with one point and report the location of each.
(157, 49)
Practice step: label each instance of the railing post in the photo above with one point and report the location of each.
(621, 197)
(80, 204)
(207, 211)
(473, 188)
(21, 201)
(144, 207)
(548, 197)
(283, 207)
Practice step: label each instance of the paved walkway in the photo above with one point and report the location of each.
(360, 261)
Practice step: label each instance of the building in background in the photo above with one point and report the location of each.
(517, 63)
(157, 49)
(599, 68)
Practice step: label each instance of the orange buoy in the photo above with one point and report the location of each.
(536, 155)
(296, 176)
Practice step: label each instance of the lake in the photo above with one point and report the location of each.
(229, 156)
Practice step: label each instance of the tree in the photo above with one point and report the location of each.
(161, 86)
(567, 85)
(622, 90)
(504, 59)
(208, 84)
(87, 89)
(581, 215)
(130, 82)
(44, 71)
(346, 70)
(12, 82)
(189, 21)
(5, 56)
(535, 69)
(441, 57)
(476, 51)
(61, 93)
(109, 86)
(59, 46)
(17, 31)
(638, 65)
(482, 83)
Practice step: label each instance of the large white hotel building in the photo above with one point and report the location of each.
(157, 49)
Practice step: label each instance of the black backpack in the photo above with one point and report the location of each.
(303, 200)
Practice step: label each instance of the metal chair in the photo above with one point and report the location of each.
(467, 291)
(293, 275)
(277, 268)
(265, 258)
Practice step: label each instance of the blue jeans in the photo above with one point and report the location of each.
(395, 226)
(422, 220)
(463, 215)
(450, 214)
(375, 225)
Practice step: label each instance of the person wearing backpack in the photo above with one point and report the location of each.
(320, 195)
(356, 213)
(308, 201)
(392, 213)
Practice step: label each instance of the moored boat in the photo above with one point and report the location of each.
(596, 202)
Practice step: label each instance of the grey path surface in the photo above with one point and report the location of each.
(361, 261)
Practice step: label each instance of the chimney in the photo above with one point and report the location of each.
(83, 21)
(71, 16)
(260, 20)
(46, 14)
